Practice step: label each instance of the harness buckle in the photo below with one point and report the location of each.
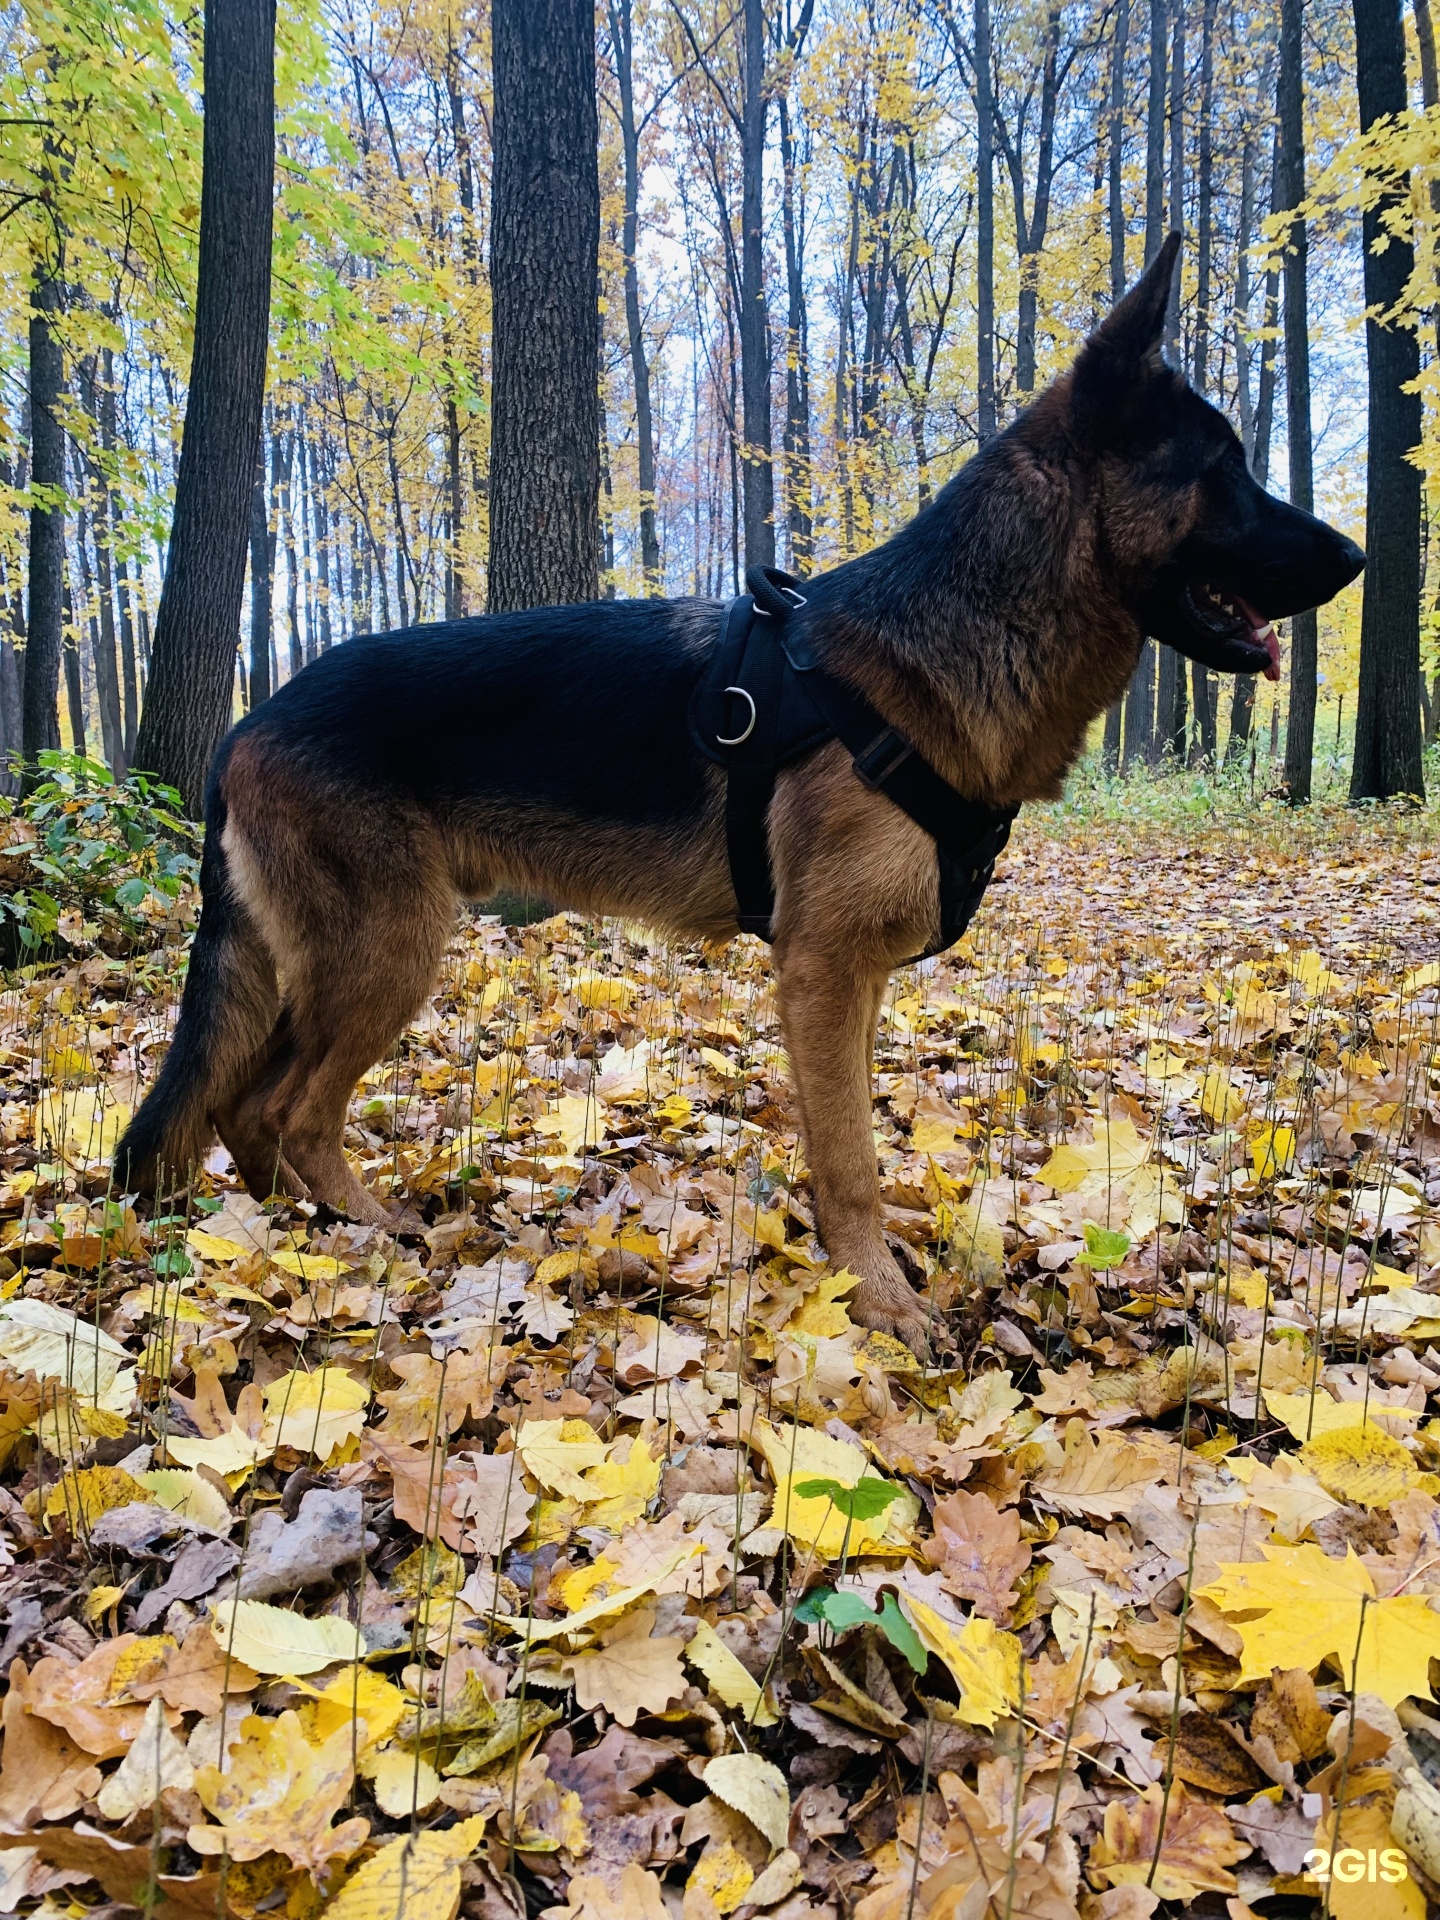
(875, 764)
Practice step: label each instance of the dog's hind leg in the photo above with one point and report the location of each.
(346, 999)
(829, 1016)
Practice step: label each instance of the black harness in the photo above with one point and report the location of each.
(765, 702)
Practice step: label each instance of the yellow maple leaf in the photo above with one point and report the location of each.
(984, 1661)
(355, 1693)
(823, 1311)
(1116, 1152)
(1298, 1608)
(619, 1490)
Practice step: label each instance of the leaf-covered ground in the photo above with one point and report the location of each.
(581, 1557)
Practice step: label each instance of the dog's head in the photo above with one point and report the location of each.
(1209, 559)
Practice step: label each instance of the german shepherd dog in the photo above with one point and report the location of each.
(548, 752)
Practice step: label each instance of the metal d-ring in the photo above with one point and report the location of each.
(736, 739)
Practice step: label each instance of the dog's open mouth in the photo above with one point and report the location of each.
(1211, 623)
(1225, 617)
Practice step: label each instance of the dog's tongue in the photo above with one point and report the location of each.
(1263, 635)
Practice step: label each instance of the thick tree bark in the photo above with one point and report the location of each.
(45, 625)
(191, 690)
(544, 269)
(758, 469)
(1304, 628)
(1387, 721)
(985, 420)
(622, 40)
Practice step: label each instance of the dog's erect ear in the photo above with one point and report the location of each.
(1124, 350)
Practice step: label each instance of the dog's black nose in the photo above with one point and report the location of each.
(1349, 560)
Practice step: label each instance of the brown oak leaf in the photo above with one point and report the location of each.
(979, 1552)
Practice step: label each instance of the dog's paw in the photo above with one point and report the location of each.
(891, 1306)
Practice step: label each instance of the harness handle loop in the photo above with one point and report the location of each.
(776, 593)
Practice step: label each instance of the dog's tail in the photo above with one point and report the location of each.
(229, 1007)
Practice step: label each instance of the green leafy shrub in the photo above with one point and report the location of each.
(89, 862)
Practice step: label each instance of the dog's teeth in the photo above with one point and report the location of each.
(1227, 606)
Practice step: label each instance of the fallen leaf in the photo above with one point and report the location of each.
(278, 1793)
(755, 1788)
(44, 1774)
(1186, 1856)
(979, 1552)
(272, 1640)
(630, 1672)
(156, 1760)
(1298, 1608)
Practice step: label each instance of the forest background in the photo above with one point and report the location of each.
(887, 346)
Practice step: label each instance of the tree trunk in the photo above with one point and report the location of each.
(985, 419)
(1177, 180)
(191, 691)
(1155, 134)
(1116, 167)
(1205, 203)
(544, 270)
(129, 667)
(74, 689)
(1387, 722)
(262, 559)
(1430, 98)
(1169, 669)
(1030, 235)
(107, 678)
(1265, 396)
(1304, 628)
(798, 486)
(622, 39)
(1140, 711)
(1110, 746)
(759, 474)
(45, 627)
(1141, 738)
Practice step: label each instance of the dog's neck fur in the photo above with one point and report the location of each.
(996, 692)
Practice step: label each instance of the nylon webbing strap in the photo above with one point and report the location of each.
(737, 720)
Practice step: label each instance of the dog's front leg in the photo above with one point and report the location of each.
(828, 1013)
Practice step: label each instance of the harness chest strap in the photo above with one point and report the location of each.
(765, 702)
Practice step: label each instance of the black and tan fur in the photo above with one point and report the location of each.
(548, 752)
